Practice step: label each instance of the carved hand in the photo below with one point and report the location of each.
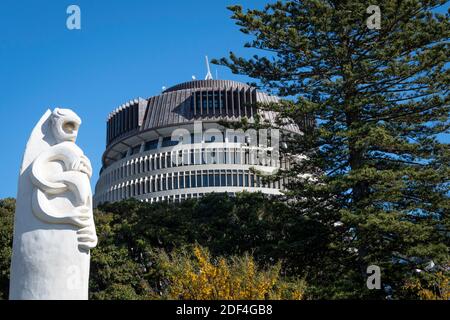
(83, 165)
(82, 218)
(87, 238)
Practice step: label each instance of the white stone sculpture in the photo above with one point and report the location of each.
(54, 226)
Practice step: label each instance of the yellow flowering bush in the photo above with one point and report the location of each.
(433, 287)
(196, 275)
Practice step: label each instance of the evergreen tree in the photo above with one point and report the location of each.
(380, 98)
(7, 207)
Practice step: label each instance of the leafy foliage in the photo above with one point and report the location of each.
(249, 223)
(152, 251)
(434, 286)
(197, 277)
(7, 207)
(377, 169)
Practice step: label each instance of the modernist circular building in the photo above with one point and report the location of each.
(174, 146)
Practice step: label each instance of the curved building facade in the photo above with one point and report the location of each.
(174, 146)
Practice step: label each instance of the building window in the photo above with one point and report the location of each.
(205, 178)
(216, 100)
(204, 160)
(168, 142)
(173, 159)
(211, 178)
(188, 180)
(151, 145)
(204, 102)
(238, 156)
(222, 99)
(186, 157)
(158, 164)
(168, 161)
(163, 161)
(197, 156)
(158, 183)
(136, 149)
(180, 158)
(199, 179)
(220, 159)
(169, 182)
(213, 156)
(181, 180)
(175, 181)
(164, 183)
(197, 103)
(193, 180)
(223, 179)
(210, 102)
(217, 178)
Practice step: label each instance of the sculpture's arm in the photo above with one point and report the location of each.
(75, 165)
(44, 212)
(87, 238)
(82, 164)
(62, 152)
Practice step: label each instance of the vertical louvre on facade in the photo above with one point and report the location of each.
(222, 102)
(125, 119)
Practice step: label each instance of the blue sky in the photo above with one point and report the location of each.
(125, 49)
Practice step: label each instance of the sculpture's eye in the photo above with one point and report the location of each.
(69, 127)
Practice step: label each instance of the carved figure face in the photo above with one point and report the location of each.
(65, 125)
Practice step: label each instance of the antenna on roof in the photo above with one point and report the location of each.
(208, 75)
